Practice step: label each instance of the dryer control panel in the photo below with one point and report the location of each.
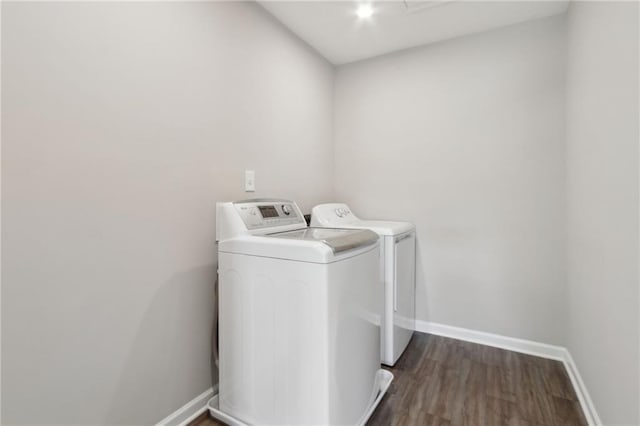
(332, 215)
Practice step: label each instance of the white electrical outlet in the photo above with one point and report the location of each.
(249, 181)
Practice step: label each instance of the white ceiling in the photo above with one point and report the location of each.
(334, 30)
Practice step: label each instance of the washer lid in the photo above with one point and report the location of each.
(305, 245)
(338, 240)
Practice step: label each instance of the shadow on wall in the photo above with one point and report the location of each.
(421, 297)
(159, 372)
(214, 335)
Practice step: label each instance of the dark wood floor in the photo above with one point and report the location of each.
(441, 381)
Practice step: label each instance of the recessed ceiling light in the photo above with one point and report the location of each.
(365, 11)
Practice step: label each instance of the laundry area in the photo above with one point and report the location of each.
(316, 212)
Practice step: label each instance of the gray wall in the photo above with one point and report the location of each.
(466, 139)
(602, 207)
(123, 124)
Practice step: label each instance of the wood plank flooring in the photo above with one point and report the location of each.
(441, 381)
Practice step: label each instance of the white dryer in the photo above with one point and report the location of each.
(397, 271)
(298, 326)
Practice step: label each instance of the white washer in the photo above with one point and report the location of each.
(397, 270)
(298, 331)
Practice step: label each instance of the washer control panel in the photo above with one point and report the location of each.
(258, 214)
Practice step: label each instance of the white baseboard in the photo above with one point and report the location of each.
(586, 403)
(188, 412)
(528, 347)
(503, 342)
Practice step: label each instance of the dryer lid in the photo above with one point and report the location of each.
(382, 227)
(337, 215)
